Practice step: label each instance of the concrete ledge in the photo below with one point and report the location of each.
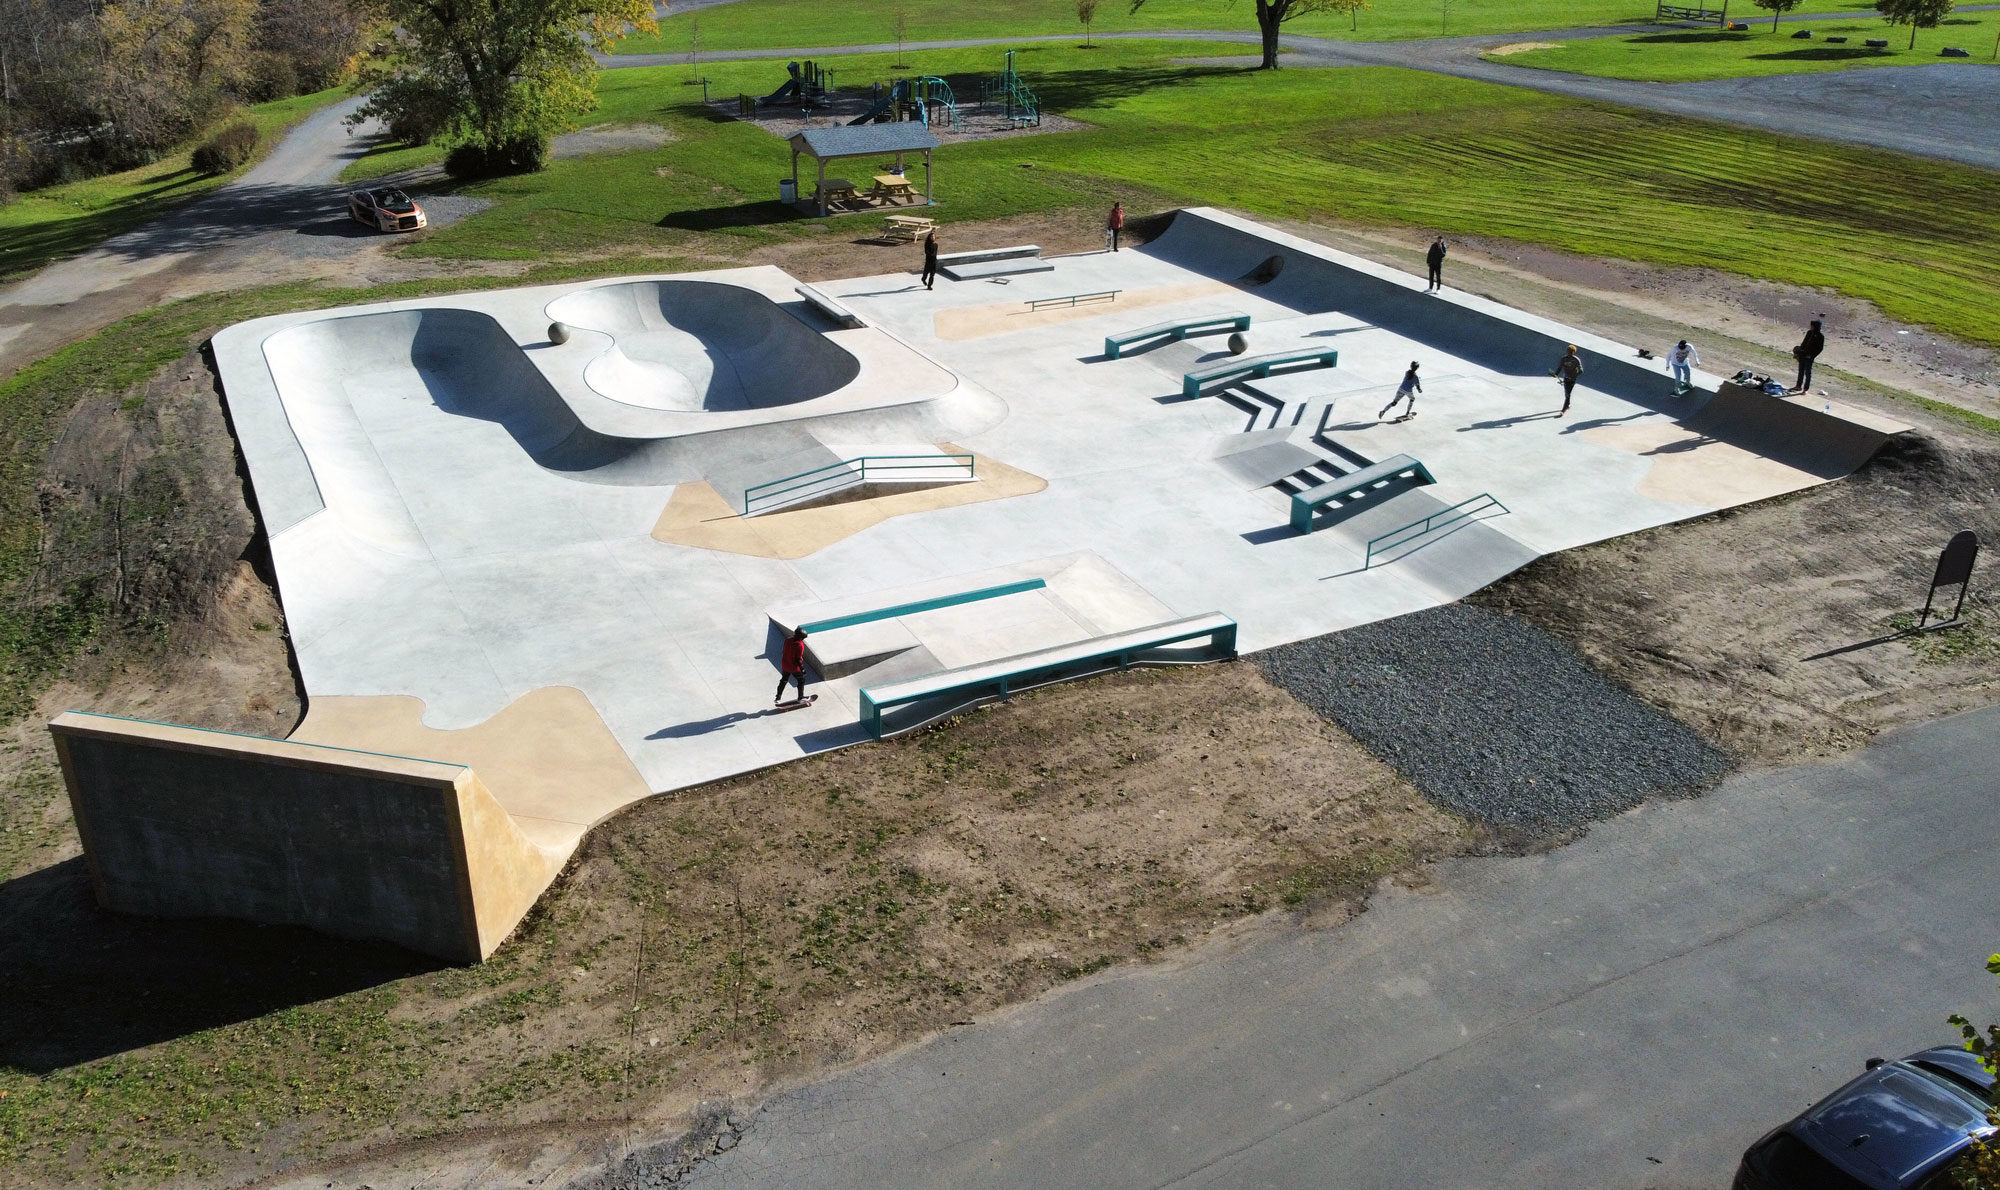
(182, 822)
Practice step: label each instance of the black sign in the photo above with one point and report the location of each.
(1954, 568)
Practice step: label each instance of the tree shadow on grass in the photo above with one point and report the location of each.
(1829, 53)
(1693, 38)
(748, 214)
(84, 983)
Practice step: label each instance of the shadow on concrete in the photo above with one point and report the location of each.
(1595, 422)
(83, 983)
(1501, 423)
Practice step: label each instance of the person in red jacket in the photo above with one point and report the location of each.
(1115, 224)
(792, 666)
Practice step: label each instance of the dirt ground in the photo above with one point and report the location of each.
(721, 941)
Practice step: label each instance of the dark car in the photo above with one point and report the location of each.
(1897, 1127)
(385, 210)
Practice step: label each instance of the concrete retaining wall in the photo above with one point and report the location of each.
(181, 822)
(1317, 279)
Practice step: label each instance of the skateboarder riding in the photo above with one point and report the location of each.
(1409, 389)
(792, 667)
(1683, 359)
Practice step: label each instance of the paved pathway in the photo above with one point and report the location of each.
(1628, 1011)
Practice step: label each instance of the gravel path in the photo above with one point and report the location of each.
(1495, 719)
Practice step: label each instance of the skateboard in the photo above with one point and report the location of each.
(796, 703)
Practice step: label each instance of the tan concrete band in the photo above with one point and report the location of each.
(1002, 318)
(697, 516)
(549, 759)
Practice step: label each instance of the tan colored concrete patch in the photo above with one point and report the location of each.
(1003, 318)
(1692, 468)
(697, 516)
(547, 758)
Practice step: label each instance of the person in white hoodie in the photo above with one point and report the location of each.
(1683, 359)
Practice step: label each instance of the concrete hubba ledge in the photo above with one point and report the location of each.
(183, 822)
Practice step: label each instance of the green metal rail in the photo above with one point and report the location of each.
(848, 472)
(1463, 510)
(924, 605)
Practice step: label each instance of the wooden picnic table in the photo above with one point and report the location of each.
(836, 190)
(893, 186)
(906, 227)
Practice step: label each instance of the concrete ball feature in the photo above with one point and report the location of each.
(1238, 344)
(558, 333)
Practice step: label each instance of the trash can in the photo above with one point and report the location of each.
(788, 191)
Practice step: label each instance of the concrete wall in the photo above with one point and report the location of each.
(1317, 279)
(181, 822)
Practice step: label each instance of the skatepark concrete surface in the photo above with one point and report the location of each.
(466, 515)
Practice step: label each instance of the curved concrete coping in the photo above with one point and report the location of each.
(701, 346)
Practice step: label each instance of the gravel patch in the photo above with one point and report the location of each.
(1495, 719)
(608, 138)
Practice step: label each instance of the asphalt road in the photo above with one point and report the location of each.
(1628, 1011)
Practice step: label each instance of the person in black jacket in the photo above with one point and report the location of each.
(930, 258)
(1806, 352)
(1435, 259)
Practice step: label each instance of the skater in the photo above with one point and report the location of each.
(1806, 352)
(792, 666)
(1409, 389)
(1683, 359)
(930, 258)
(1435, 259)
(1568, 369)
(1115, 224)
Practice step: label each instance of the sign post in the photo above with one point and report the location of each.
(1954, 567)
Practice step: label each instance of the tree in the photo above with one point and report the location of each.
(902, 31)
(1352, 8)
(1271, 14)
(1086, 11)
(1979, 1169)
(1777, 8)
(515, 72)
(1917, 14)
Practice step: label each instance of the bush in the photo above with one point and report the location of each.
(272, 76)
(522, 155)
(226, 149)
(413, 109)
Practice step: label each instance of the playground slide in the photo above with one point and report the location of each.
(875, 113)
(790, 89)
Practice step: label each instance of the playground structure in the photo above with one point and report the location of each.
(553, 567)
(1010, 92)
(809, 86)
(927, 98)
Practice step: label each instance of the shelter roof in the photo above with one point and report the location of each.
(864, 140)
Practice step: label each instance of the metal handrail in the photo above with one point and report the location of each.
(1430, 522)
(1072, 299)
(847, 472)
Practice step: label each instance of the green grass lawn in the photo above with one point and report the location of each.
(1691, 55)
(1367, 145)
(57, 221)
(762, 24)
